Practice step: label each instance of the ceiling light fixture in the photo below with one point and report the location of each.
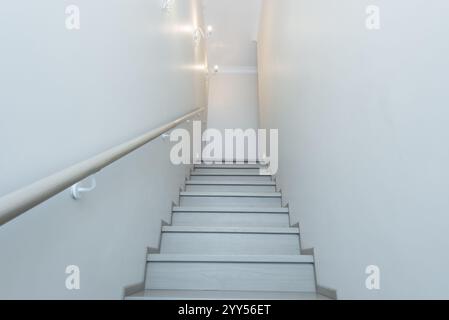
(210, 29)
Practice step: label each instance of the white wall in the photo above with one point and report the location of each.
(235, 22)
(363, 122)
(68, 95)
(233, 96)
(233, 101)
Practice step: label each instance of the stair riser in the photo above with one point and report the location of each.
(232, 188)
(158, 295)
(229, 201)
(232, 178)
(287, 277)
(228, 171)
(230, 244)
(206, 219)
(231, 166)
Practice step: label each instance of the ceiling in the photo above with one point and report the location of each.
(236, 24)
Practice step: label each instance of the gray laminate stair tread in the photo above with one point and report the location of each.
(230, 258)
(230, 183)
(231, 209)
(231, 162)
(261, 230)
(222, 295)
(230, 166)
(231, 194)
(236, 174)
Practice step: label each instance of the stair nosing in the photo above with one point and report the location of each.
(155, 294)
(231, 166)
(235, 230)
(224, 209)
(199, 174)
(231, 162)
(224, 194)
(304, 259)
(231, 183)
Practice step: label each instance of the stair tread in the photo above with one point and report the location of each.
(231, 209)
(231, 183)
(229, 166)
(208, 162)
(222, 295)
(261, 230)
(230, 258)
(236, 174)
(230, 194)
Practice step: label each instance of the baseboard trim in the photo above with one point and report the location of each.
(139, 287)
(133, 289)
(327, 292)
(322, 290)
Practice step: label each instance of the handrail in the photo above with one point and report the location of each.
(18, 202)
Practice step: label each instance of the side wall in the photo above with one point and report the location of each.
(363, 118)
(68, 95)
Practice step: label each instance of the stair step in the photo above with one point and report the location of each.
(232, 162)
(229, 219)
(231, 177)
(230, 230)
(229, 173)
(230, 188)
(238, 273)
(230, 241)
(231, 209)
(231, 258)
(231, 194)
(222, 295)
(272, 199)
(231, 183)
(229, 166)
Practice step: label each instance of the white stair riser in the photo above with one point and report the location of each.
(232, 178)
(207, 219)
(159, 295)
(230, 244)
(287, 277)
(230, 166)
(228, 171)
(231, 188)
(221, 209)
(229, 201)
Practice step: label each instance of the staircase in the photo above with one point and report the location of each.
(230, 239)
